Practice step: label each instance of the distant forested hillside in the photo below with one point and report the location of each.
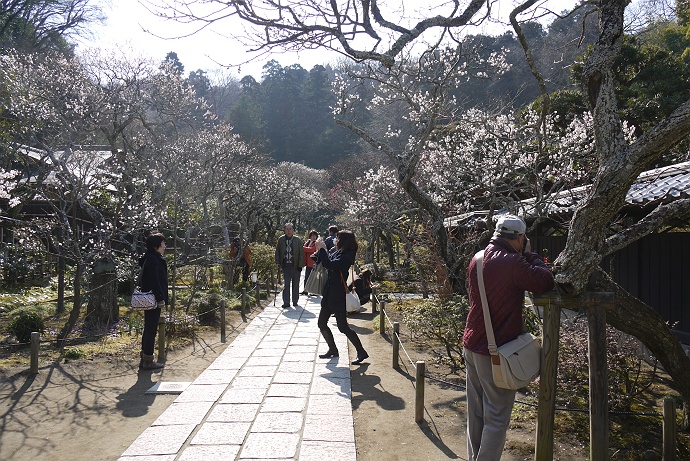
(288, 112)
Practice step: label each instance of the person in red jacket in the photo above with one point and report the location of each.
(510, 269)
(309, 249)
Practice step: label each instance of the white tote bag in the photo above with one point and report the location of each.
(351, 298)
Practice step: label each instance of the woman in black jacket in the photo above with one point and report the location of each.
(154, 277)
(338, 263)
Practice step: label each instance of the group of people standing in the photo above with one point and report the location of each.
(510, 268)
(337, 254)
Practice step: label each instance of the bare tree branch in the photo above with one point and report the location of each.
(664, 215)
(343, 26)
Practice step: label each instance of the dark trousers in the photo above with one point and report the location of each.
(148, 337)
(291, 276)
(343, 327)
(307, 271)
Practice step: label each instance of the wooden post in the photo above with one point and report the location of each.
(161, 339)
(244, 301)
(598, 386)
(373, 300)
(35, 342)
(382, 319)
(419, 392)
(222, 321)
(669, 431)
(596, 303)
(543, 450)
(396, 344)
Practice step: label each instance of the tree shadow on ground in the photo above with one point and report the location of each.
(371, 389)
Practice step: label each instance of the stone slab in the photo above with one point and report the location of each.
(232, 433)
(288, 390)
(292, 378)
(284, 404)
(233, 412)
(171, 387)
(148, 458)
(202, 393)
(160, 440)
(319, 451)
(268, 352)
(263, 370)
(329, 405)
(278, 422)
(209, 452)
(262, 360)
(326, 428)
(216, 376)
(227, 362)
(296, 367)
(324, 385)
(251, 382)
(266, 445)
(301, 349)
(183, 413)
(244, 395)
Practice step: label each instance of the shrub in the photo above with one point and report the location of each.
(263, 259)
(205, 307)
(181, 325)
(23, 323)
(74, 353)
(629, 376)
(442, 320)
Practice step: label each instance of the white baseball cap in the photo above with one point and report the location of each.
(509, 225)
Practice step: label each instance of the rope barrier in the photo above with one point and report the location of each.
(388, 319)
(566, 409)
(405, 351)
(585, 410)
(78, 340)
(69, 297)
(71, 341)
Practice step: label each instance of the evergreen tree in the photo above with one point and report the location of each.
(245, 115)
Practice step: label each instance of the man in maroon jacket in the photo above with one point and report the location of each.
(510, 269)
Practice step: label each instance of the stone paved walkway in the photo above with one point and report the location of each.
(267, 396)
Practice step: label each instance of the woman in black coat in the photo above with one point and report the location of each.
(154, 277)
(338, 263)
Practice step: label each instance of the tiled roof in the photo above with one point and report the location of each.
(670, 182)
(660, 184)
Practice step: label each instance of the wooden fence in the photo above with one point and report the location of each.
(652, 269)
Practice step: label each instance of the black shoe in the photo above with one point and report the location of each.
(360, 358)
(304, 293)
(328, 355)
(294, 304)
(285, 306)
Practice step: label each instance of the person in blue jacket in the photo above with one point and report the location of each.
(338, 263)
(154, 277)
